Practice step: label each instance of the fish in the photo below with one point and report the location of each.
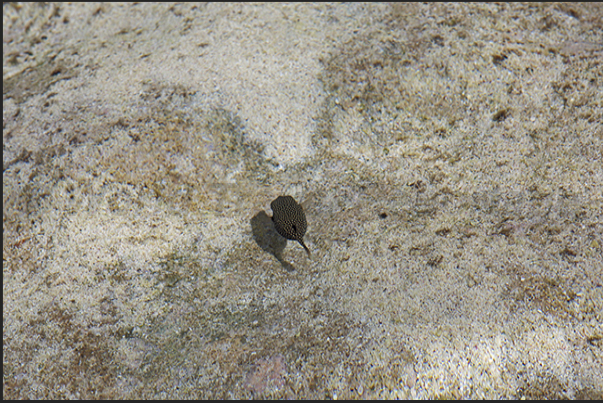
(289, 219)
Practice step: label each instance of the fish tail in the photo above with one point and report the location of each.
(306, 248)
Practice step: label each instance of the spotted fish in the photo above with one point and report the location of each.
(289, 219)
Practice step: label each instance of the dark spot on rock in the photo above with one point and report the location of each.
(500, 115)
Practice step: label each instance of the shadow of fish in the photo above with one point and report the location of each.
(289, 219)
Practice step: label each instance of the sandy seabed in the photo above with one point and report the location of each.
(447, 156)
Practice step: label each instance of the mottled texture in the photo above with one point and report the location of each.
(289, 219)
(140, 142)
(267, 373)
